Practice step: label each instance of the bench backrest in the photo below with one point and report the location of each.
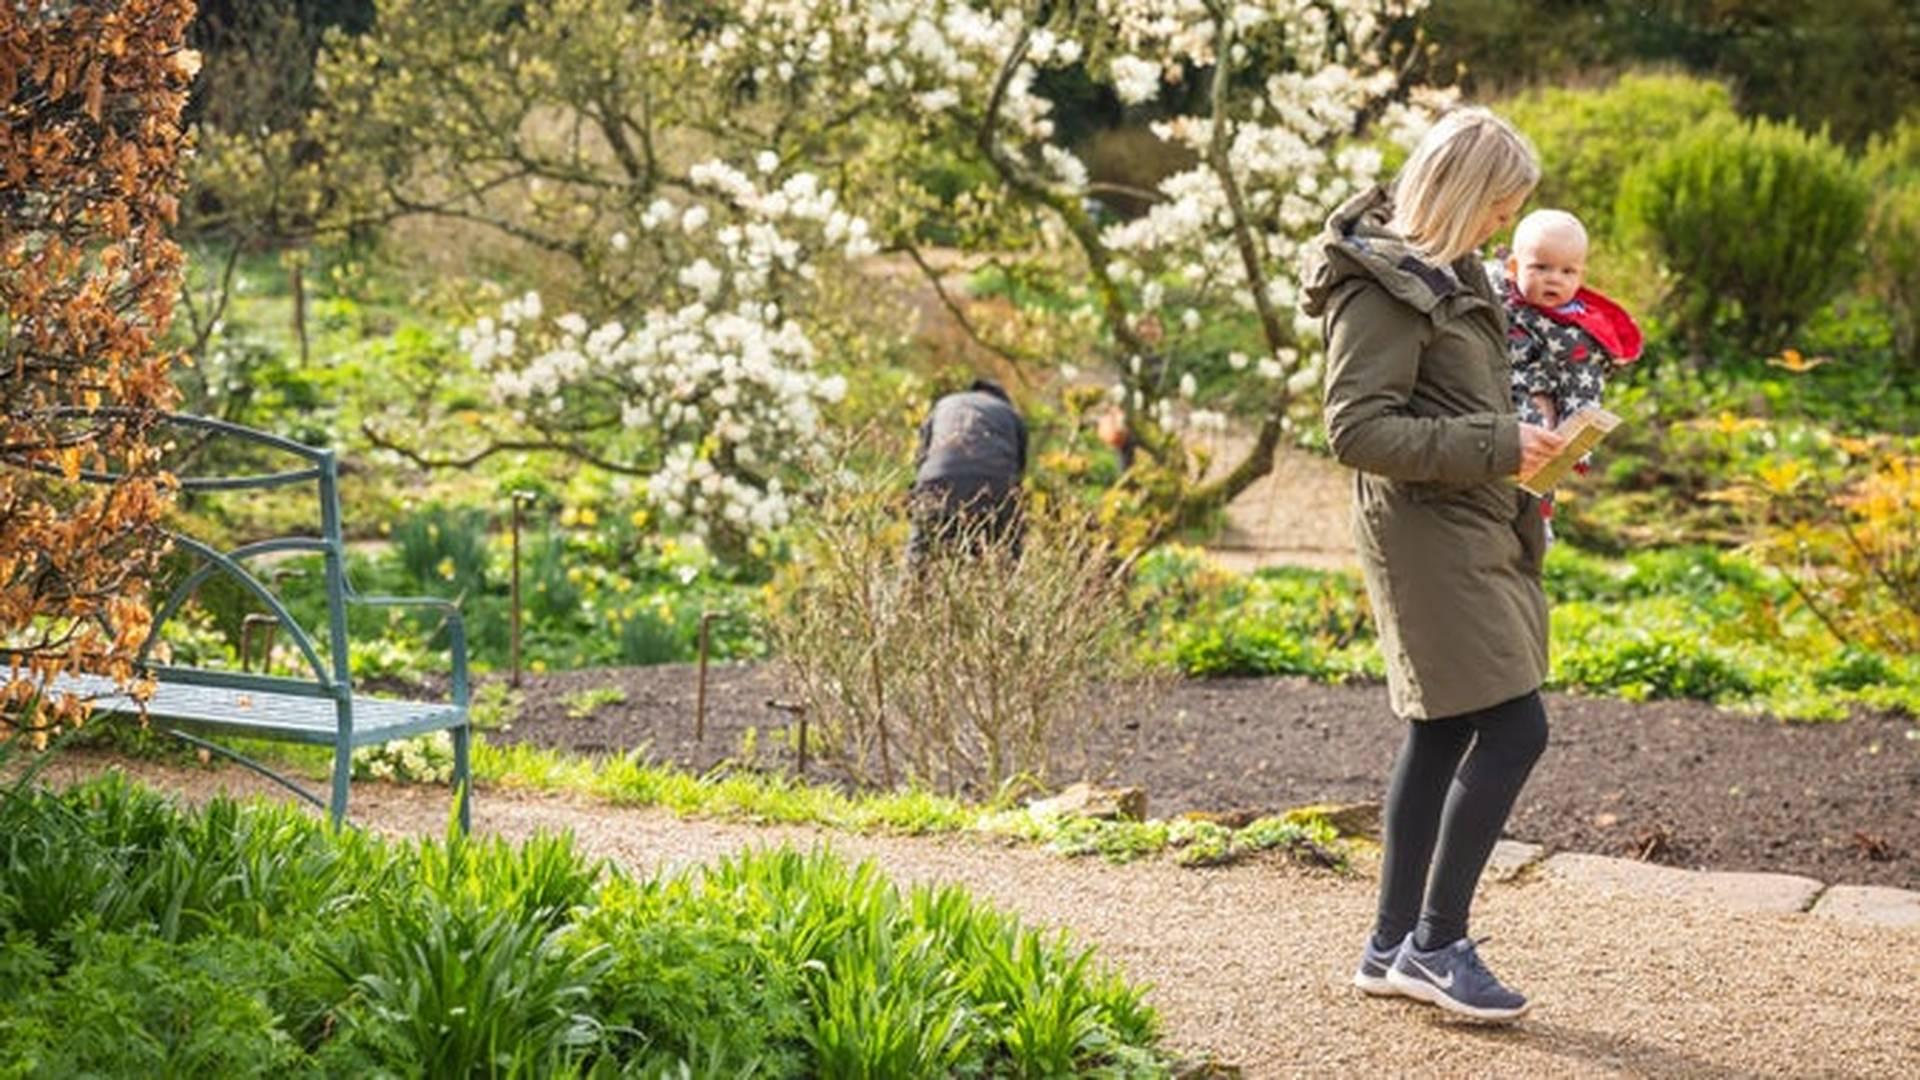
(331, 677)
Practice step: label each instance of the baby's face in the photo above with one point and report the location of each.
(1549, 268)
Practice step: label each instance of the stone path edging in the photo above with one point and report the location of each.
(1735, 891)
(1869, 905)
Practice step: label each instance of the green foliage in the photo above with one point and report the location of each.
(1193, 841)
(1710, 625)
(1062, 1012)
(928, 984)
(1116, 840)
(1693, 432)
(688, 982)
(1658, 650)
(134, 1006)
(1758, 222)
(255, 941)
(1853, 65)
(548, 591)
(1893, 157)
(1893, 259)
(646, 638)
(1199, 842)
(118, 858)
(774, 798)
(1588, 139)
(892, 1013)
(1855, 668)
(495, 706)
(596, 592)
(1278, 621)
(391, 656)
(461, 988)
(1698, 575)
(582, 704)
(1682, 622)
(444, 549)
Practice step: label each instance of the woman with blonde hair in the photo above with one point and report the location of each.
(1418, 404)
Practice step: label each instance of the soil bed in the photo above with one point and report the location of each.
(1676, 782)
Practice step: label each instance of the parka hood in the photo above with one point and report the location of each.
(1357, 243)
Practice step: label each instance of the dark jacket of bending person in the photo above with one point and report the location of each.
(966, 487)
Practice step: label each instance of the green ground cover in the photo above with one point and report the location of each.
(250, 940)
(1669, 623)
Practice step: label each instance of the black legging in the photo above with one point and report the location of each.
(1434, 795)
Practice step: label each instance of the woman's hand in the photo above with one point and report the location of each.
(1537, 445)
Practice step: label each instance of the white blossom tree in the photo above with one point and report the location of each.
(715, 378)
(707, 166)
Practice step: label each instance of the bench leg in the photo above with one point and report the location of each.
(463, 777)
(342, 775)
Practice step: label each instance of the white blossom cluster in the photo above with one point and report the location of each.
(925, 59)
(1322, 65)
(427, 759)
(1286, 152)
(715, 382)
(717, 374)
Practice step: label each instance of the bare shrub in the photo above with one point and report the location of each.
(960, 673)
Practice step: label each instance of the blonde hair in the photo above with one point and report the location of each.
(1471, 160)
(1546, 225)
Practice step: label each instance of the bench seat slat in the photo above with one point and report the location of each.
(269, 715)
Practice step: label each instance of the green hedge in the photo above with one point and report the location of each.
(1760, 224)
(1893, 264)
(1893, 157)
(1588, 139)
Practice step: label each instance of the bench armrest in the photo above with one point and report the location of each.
(456, 631)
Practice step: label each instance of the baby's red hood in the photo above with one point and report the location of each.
(1607, 321)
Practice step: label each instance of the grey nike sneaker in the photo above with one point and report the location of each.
(1372, 976)
(1453, 978)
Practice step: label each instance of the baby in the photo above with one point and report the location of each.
(1564, 339)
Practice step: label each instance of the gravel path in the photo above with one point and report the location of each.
(1249, 963)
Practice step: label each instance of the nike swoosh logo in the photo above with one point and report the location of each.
(1444, 984)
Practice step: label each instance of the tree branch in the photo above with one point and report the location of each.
(573, 249)
(1259, 459)
(1007, 352)
(1080, 225)
(1108, 187)
(203, 331)
(572, 450)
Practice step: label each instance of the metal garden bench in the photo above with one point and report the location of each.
(320, 707)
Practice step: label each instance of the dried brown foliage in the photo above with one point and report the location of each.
(90, 147)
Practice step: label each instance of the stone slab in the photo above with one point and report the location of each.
(1870, 905)
(1729, 891)
(1510, 857)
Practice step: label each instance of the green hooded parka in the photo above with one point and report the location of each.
(1418, 403)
